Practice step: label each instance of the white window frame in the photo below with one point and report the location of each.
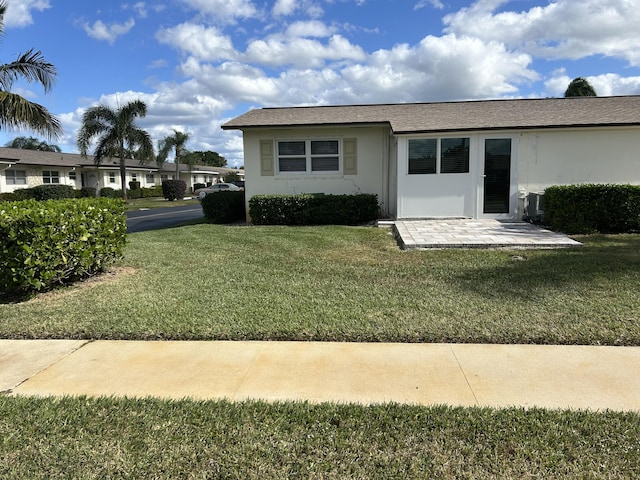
(16, 177)
(112, 177)
(51, 177)
(150, 178)
(308, 156)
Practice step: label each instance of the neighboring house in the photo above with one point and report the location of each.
(29, 168)
(453, 159)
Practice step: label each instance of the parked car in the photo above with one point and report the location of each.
(216, 187)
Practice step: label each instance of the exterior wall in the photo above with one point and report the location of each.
(540, 158)
(564, 157)
(436, 195)
(372, 164)
(34, 177)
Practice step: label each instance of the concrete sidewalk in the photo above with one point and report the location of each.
(578, 377)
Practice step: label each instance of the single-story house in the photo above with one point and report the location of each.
(471, 159)
(28, 168)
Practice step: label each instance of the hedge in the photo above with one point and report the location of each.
(591, 208)
(313, 209)
(223, 207)
(52, 242)
(174, 189)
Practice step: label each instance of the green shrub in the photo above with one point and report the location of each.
(173, 189)
(53, 192)
(149, 192)
(88, 192)
(224, 207)
(591, 208)
(8, 197)
(24, 194)
(47, 243)
(313, 209)
(134, 193)
(134, 185)
(108, 192)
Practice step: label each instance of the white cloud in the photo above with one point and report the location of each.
(605, 84)
(425, 3)
(277, 50)
(313, 28)
(284, 7)
(101, 31)
(561, 29)
(225, 10)
(205, 43)
(18, 13)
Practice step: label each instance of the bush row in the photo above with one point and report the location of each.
(313, 209)
(51, 242)
(146, 192)
(57, 192)
(223, 207)
(592, 208)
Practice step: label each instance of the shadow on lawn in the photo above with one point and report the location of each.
(603, 260)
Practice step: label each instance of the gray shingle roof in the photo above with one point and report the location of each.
(54, 159)
(455, 116)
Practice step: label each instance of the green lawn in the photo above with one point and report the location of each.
(327, 283)
(122, 438)
(345, 284)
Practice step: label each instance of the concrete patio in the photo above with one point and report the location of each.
(474, 233)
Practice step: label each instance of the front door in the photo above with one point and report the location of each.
(497, 190)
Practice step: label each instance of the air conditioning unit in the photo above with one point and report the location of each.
(534, 205)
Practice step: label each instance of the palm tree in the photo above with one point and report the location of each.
(580, 87)
(16, 111)
(175, 141)
(32, 143)
(116, 134)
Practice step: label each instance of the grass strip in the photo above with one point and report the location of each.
(344, 284)
(77, 437)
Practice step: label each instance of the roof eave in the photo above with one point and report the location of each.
(384, 123)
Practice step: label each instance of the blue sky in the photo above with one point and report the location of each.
(198, 63)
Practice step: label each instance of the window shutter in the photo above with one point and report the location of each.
(350, 156)
(266, 158)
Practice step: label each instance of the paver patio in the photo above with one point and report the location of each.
(474, 233)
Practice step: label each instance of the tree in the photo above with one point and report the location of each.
(16, 111)
(32, 143)
(173, 142)
(117, 134)
(580, 87)
(206, 158)
(231, 177)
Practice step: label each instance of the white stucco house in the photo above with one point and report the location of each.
(471, 159)
(29, 168)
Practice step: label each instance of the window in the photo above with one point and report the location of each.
(72, 175)
(149, 178)
(50, 176)
(454, 155)
(452, 152)
(16, 177)
(134, 177)
(422, 156)
(164, 177)
(112, 177)
(308, 156)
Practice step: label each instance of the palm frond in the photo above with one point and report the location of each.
(30, 66)
(17, 112)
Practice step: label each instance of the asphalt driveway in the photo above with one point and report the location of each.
(158, 218)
